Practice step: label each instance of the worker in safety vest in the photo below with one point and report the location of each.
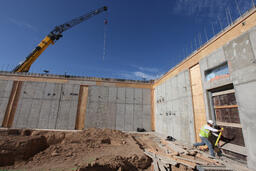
(204, 135)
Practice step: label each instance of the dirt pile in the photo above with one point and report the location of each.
(91, 149)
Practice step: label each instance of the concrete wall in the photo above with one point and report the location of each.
(5, 91)
(52, 102)
(241, 54)
(122, 108)
(47, 106)
(174, 108)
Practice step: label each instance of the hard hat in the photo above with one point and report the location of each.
(210, 122)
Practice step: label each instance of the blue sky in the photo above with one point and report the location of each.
(144, 38)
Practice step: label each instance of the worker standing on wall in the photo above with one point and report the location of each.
(204, 135)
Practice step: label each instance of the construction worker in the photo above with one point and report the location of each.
(204, 135)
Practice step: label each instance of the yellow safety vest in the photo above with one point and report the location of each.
(204, 132)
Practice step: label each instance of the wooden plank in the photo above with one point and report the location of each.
(198, 100)
(224, 37)
(81, 108)
(225, 106)
(236, 125)
(223, 92)
(234, 148)
(207, 159)
(190, 160)
(152, 110)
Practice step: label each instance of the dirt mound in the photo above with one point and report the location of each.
(120, 163)
(19, 148)
(91, 149)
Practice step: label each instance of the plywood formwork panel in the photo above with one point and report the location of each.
(137, 96)
(112, 97)
(129, 95)
(120, 116)
(21, 118)
(25, 105)
(103, 94)
(49, 106)
(68, 107)
(198, 99)
(82, 105)
(138, 117)
(91, 115)
(128, 125)
(146, 117)
(121, 95)
(146, 96)
(93, 93)
(169, 109)
(112, 115)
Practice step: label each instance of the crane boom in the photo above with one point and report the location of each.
(52, 37)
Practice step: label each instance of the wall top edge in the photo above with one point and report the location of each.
(73, 78)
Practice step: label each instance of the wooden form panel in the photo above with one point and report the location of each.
(235, 134)
(227, 116)
(81, 109)
(198, 100)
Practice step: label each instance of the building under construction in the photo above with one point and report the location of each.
(218, 82)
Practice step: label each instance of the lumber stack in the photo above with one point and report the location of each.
(169, 155)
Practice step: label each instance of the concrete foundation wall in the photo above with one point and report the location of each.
(241, 54)
(121, 108)
(49, 103)
(5, 91)
(174, 108)
(47, 106)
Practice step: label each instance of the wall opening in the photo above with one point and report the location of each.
(226, 115)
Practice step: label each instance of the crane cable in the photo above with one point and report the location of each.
(105, 37)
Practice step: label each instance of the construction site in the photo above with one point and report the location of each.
(64, 122)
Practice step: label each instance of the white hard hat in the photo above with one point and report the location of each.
(210, 122)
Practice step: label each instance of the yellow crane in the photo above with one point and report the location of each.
(52, 37)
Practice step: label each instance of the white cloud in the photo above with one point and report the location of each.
(139, 76)
(22, 24)
(146, 69)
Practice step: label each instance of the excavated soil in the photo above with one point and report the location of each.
(91, 149)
